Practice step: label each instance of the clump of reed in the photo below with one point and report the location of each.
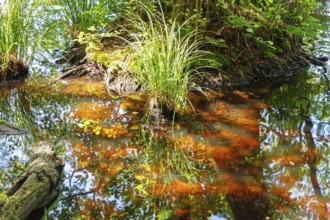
(16, 27)
(165, 59)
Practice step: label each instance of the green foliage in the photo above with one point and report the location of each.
(268, 23)
(164, 58)
(82, 14)
(17, 26)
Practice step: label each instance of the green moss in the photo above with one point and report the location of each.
(115, 58)
(3, 198)
(13, 198)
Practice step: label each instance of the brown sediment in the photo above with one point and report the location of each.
(94, 110)
(225, 109)
(230, 186)
(83, 87)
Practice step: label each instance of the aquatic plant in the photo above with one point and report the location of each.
(16, 27)
(165, 59)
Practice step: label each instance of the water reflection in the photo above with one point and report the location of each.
(294, 138)
(208, 159)
(237, 157)
(38, 110)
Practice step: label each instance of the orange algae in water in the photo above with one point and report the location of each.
(83, 87)
(94, 110)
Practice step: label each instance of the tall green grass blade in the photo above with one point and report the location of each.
(165, 58)
(17, 27)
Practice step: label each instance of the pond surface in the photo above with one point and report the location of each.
(236, 157)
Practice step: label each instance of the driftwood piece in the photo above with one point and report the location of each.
(9, 129)
(37, 187)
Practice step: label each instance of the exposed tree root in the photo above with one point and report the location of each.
(118, 82)
(85, 67)
(73, 55)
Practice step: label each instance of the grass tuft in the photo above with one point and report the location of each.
(17, 19)
(165, 59)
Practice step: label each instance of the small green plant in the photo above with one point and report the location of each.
(165, 59)
(82, 14)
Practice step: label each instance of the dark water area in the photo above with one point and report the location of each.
(236, 157)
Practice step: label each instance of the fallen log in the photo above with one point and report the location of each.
(37, 187)
(9, 129)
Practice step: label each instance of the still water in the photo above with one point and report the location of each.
(237, 156)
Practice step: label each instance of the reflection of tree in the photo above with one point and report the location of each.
(35, 108)
(312, 160)
(296, 149)
(175, 177)
(252, 200)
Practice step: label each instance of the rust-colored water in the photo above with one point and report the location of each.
(234, 157)
(224, 136)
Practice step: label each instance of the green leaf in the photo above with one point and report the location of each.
(139, 187)
(140, 177)
(269, 42)
(250, 30)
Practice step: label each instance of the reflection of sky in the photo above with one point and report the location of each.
(45, 118)
(12, 146)
(302, 188)
(34, 112)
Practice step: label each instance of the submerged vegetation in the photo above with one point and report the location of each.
(173, 158)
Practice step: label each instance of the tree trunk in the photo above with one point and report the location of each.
(37, 187)
(9, 129)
